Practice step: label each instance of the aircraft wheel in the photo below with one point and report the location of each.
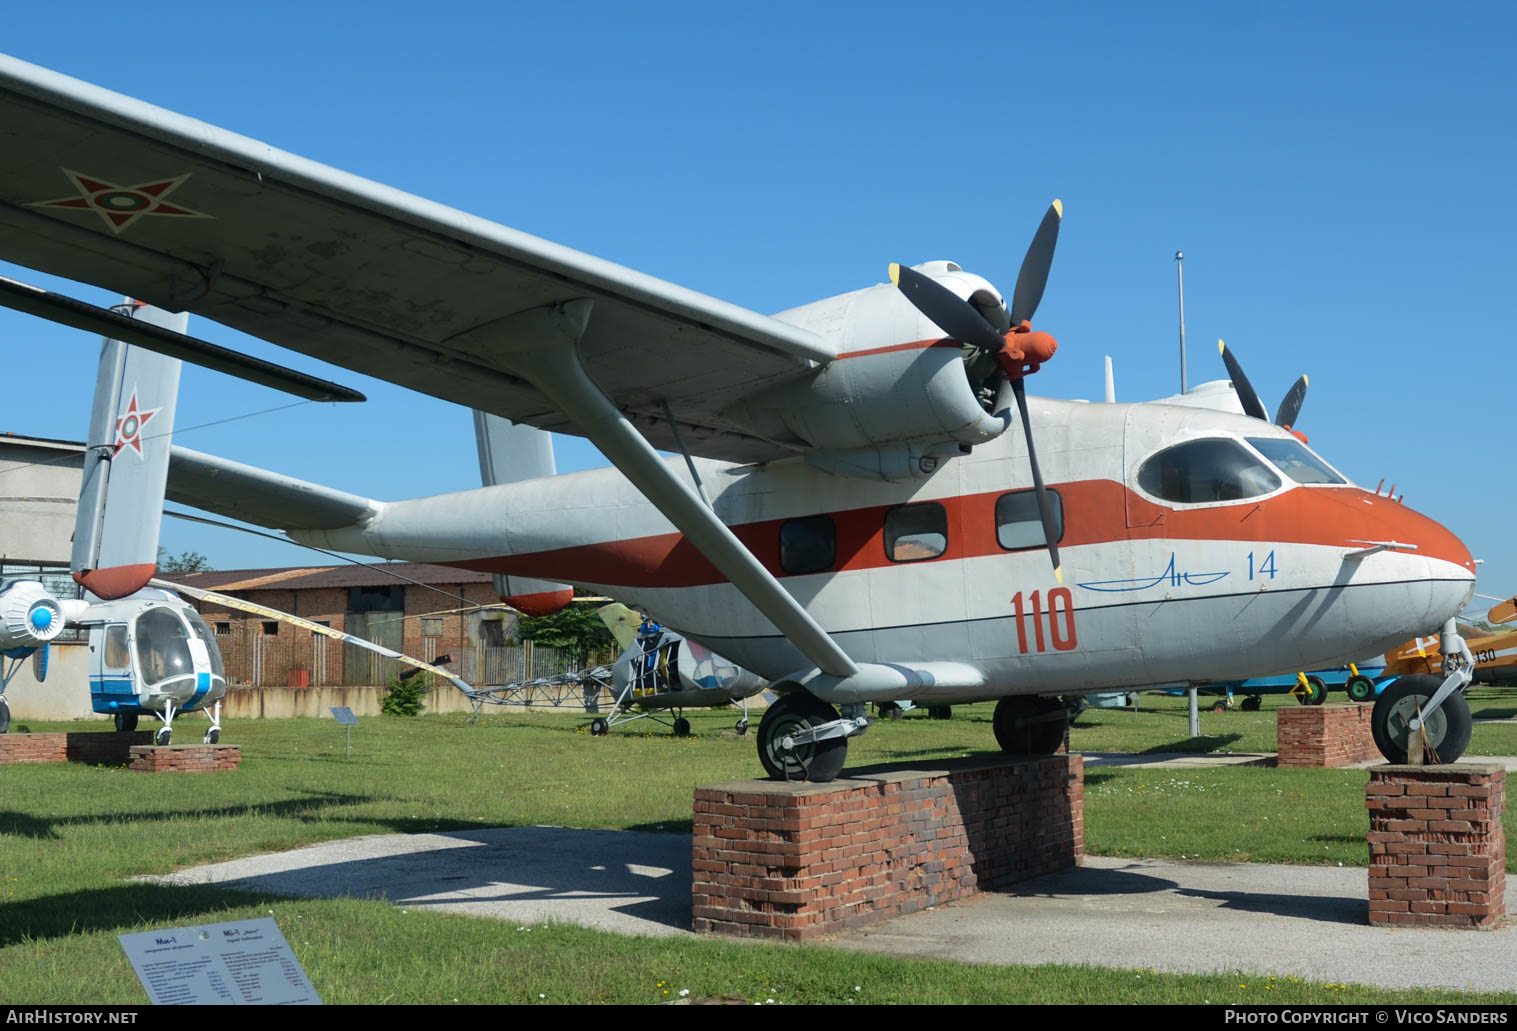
(598, 727)
(1315, 693)
(1018, 738)
(1253, 703)
(682, 727)
(163, 735)
(1448, 731)
(5, 715)
(1219, 707)
(213, 735)
(941, 712)
(815, 760)
(742, 727)
(126, 722)
(1360, 688)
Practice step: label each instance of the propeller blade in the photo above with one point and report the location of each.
(1049, 530)
(1033, 276)
(1251, 403)
(946, 309)
(1290, 408)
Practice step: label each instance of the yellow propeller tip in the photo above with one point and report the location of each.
(1305, 380)
(1058, 573)
(1058, 207)
(1221, 347)
(895, 274)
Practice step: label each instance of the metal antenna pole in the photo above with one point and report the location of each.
(1180, 273)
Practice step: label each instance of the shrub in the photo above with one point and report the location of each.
(404, 696)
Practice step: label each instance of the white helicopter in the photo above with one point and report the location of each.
(852, 515)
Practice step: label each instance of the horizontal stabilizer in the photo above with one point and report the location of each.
(261, 497)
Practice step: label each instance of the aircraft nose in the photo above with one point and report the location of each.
(1434, 555)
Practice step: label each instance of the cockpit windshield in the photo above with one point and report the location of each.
(1295, 461)
(1201, 471)
(163, 650)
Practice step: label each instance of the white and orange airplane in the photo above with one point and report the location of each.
(853, 512)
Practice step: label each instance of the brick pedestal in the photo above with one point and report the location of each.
(101, 747)
(799, 860)
(1325, 735)
(1437, 848)
(185, 758)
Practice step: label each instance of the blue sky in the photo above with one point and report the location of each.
(1338, 175)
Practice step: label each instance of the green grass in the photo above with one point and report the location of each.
(72, 835)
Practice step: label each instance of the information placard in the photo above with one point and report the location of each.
(242, 963)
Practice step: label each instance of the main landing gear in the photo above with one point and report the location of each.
(801, 737)
(1030, 724)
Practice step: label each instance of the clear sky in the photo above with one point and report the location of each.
(1338, 175)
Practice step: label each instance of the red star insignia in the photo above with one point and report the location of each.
(120, 206)
(129, 427)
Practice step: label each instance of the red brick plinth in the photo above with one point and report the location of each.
(1437, 849)
(799, 860)
(185, 758)
(1325, 735)
(103, 747)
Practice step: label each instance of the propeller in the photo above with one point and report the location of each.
(1019, 352)
(1290, 405)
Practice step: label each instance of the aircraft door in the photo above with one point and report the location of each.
(111, 682)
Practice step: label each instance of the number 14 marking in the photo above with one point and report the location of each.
(1267, 566)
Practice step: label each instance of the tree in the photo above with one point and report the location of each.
(184, 562)
(576, 630)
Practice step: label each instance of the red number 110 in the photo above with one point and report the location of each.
(1061, 620)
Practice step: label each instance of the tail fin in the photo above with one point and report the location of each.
(509, 453)
(126, 464)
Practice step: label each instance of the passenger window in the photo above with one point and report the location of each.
(916, 532)
(1200, 471)
(117, 655)
(1019, 525)
(808, 545)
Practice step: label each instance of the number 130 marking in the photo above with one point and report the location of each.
(1061, 620)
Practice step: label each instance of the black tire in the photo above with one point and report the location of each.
(818, 761)
(126, 722)
(1360, 688)
(1219, 707)
(1448, 731)
(5, 715)
(890, 711)
(163, 736)
(1253, 703)
(213, 736)
(1017, 737)
(940, 712)
(682, 727)
(742, 727)
(598, 727)
(1315, 693)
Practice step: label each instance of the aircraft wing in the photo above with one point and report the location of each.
(104, 189)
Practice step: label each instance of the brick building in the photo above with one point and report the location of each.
(426, 611)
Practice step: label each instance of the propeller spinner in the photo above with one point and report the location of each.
(1019, 352)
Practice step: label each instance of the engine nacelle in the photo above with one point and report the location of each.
(880, 392)
(29, 615)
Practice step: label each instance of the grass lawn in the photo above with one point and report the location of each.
(72, 835)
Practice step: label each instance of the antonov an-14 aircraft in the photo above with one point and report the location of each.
(853, 512)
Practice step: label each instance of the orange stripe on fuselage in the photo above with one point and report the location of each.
(916, 345)
(1095, 512)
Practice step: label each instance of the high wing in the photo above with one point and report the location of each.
(101, 188)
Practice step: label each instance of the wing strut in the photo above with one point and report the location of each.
(542, 346)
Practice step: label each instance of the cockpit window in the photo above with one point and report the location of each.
(1201, 471)
(202, 631)
(1295, 461)
(163, 649)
